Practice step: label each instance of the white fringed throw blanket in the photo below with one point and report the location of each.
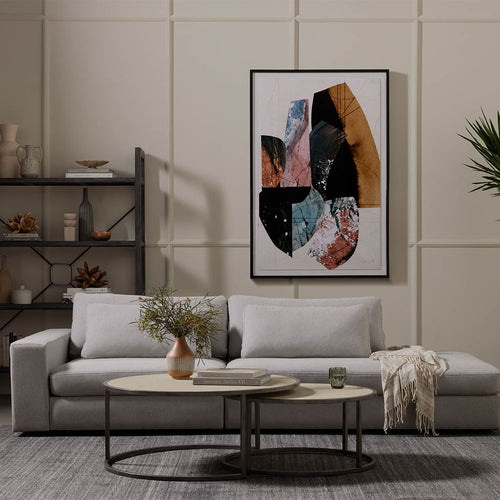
(410, 375)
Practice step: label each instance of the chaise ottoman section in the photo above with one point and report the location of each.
(467, 395)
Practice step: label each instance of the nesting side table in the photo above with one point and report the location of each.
(310, 394)
(164, 385)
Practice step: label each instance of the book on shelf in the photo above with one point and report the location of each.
(231, 380)
(20, 236)
(86, 170)
(70, 292)
(89, 175)
(233, 372)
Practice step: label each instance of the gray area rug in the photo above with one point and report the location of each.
(409, 466)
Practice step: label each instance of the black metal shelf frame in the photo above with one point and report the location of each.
(138, 243)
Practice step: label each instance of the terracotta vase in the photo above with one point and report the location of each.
(9, 165)
(180, 360)
(5, 285)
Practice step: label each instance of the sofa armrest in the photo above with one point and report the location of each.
(32, 359)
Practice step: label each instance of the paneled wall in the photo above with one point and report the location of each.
(94, 78)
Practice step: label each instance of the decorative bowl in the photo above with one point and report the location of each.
(100, 235)
(92, 163)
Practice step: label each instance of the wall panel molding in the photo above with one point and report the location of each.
(63, 10)
(238, 10)
(358, 9)
(222, 259)
(21, 8)
(460, 10)
(209, 244)
(493, 243)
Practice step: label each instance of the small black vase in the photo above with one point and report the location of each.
(85, 218)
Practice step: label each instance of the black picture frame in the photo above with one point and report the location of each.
(319, 173)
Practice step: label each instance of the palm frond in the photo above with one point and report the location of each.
(485, 139)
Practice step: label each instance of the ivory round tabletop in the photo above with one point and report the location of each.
(319, 393)
(162, 383)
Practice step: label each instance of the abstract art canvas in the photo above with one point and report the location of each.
(319, 173)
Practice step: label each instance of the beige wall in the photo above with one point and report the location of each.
(93, 79)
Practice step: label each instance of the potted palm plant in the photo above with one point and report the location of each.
(165, 318)
(485, 139)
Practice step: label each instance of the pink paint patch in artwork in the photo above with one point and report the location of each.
(298, 161)
(337, 235)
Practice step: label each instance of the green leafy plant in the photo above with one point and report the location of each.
(485, 139)
(165, 317)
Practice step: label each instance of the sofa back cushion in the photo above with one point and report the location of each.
(238, 303)
(79, 325)
(305, 332)
(112, 332)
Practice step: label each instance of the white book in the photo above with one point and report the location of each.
(231, 380)
(233, 372)
(98, 175)
(85, 170)
(21, 236)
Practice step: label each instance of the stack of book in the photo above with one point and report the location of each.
(86, 173)
(69, 295)
(20, 236)
(231, 376)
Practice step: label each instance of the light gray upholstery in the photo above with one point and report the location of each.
(272, 331)
(137, 412)
(451, 412)
(32, 360)
(467, 375)
(79, 323)
(52, 392)
(85, 377)
(237, 304)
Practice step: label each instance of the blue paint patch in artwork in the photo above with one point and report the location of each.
(295, 120)
(306, 216)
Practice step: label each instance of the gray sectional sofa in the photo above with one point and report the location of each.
(57, 374)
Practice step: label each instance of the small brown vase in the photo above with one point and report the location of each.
(180, 360)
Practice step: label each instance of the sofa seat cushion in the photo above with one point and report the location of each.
(85, 377)
(467, 375)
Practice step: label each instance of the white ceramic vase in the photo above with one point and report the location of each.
(29, 158)
(21, 295)
(9, 165)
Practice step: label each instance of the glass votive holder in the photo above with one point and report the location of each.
(337, 375)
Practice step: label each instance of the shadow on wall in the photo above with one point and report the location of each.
(210, 224)
(399, 165)
(210, 221)
(156, 201)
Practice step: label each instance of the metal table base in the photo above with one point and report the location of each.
(244, 447)
(237, 461)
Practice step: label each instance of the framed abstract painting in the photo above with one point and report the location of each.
(319, 173)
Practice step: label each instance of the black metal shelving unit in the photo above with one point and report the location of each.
(138, 244)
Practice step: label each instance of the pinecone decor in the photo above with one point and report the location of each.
(92, 278)
(22, 223)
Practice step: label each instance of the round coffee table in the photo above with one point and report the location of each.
(163, 384)
(310, 394)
